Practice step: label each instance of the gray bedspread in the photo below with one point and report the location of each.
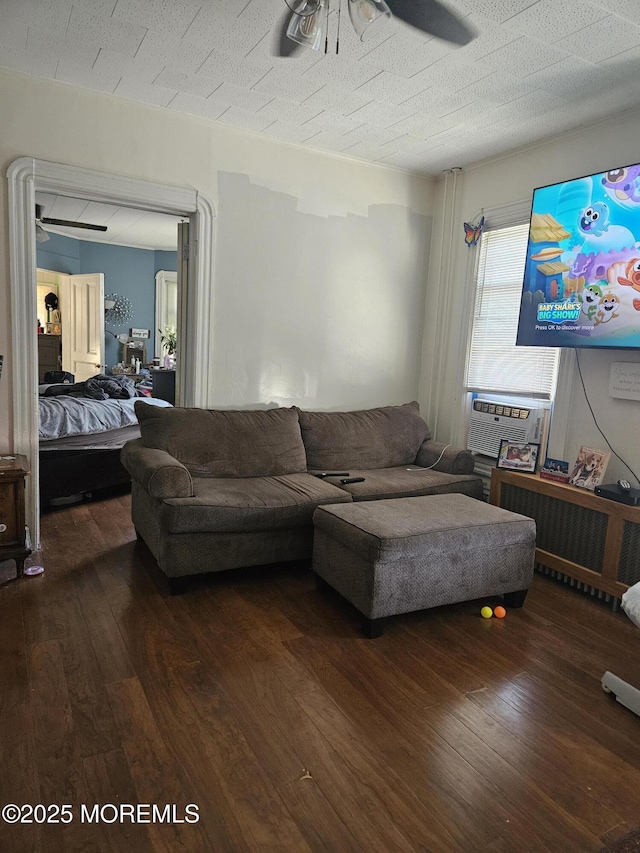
(68, 415)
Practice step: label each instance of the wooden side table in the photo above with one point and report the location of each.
(13, 471)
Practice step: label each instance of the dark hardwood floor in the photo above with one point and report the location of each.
(258, 699)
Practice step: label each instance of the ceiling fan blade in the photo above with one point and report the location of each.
(434, 18)
(282, 45)
(48, 221)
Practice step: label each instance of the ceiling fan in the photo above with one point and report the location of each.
(305, 22)
(41, 233)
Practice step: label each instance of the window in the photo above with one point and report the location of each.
(494, 362)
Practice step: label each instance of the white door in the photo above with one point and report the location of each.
(82, 310)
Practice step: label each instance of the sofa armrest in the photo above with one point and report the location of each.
(157, 471)
(445, 458)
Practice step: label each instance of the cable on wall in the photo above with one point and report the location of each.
(586, 397)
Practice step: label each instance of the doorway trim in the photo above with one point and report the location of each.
(27, 175)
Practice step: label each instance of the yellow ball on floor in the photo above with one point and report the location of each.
(500, 612)
(487, 612)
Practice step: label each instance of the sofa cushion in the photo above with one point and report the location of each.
(372, 438)
(249, 504)
(407, 481)
(217, 443)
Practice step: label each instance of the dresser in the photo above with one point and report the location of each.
(13, 470)
(49, 354)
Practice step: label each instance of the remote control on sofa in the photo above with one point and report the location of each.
(352, 480)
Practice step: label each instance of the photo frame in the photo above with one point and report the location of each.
(555, 469)
(590, 466)
(518, 456)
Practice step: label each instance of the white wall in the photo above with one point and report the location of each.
(320, 261)
(502, 181)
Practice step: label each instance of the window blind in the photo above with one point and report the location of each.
(494, 363)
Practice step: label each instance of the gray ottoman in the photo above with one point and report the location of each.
(396, 556)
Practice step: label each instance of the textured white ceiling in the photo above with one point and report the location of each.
(537, 68)
(126, 226)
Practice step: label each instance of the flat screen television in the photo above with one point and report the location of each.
(581, 283)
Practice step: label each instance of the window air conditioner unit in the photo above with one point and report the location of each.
(520, 421)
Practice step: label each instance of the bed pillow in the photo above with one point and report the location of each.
(372, 438)
(218, 443)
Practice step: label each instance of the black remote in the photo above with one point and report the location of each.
(352, 480)
(333, 474)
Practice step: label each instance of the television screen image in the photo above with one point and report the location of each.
(581, 283)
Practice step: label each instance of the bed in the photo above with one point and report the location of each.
(80, 441)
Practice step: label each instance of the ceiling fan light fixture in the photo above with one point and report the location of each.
(308, 25)
(41, 234)
(368, 17)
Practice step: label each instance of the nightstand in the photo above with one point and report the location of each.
(164, 385)
(13, 471)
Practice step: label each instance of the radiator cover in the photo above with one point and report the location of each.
(588, 538)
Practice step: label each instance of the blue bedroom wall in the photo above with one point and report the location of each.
(165, 261)
(60, 254)
(127, 271)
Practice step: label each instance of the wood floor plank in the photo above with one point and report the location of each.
(156, 778)
(594, 726)
(93, 724)
(560, 664)
(109, 781)
(442, 779)
(108, 646)
(576, 769)
(286, 744)
(56, 751)
(18, 776)
(14, 688)
(55, 748)
(245, 786)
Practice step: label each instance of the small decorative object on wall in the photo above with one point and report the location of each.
(140, 334)
(117, 310)
(589, 468)
(472, 232)
(555, 469)
(518, 456)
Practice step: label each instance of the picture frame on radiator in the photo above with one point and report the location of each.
(555, 469)
(518, 456)
(590, 466)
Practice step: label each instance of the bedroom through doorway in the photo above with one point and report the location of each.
(25, 177)
(102, 324)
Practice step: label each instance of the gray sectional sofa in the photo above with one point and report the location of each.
(215, 489)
